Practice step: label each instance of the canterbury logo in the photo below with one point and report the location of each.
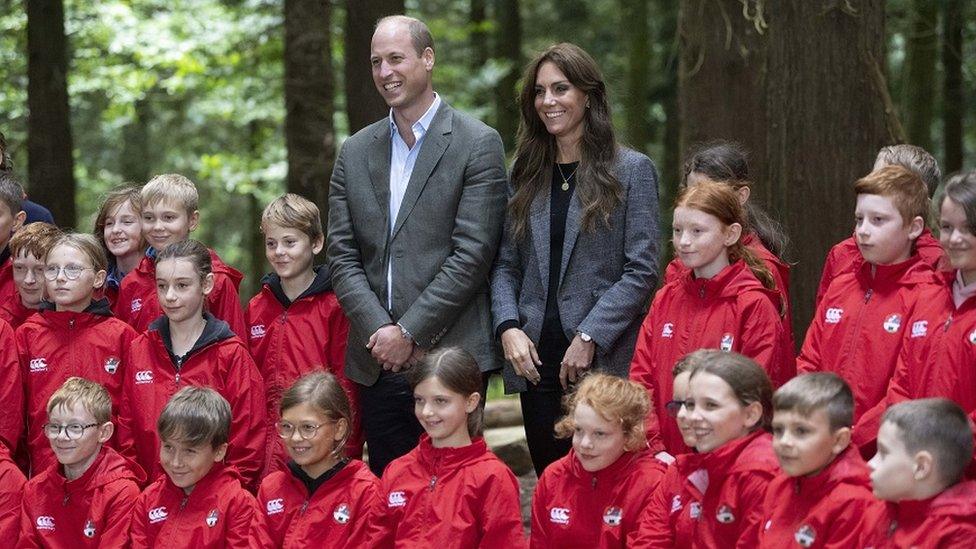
(136, 305)
(38, 364)
(559, 515)
(257, 331)
(157, 514)
(920, 328)
(667, 330)
(396, 499)
(833, 315)
(144, 376)
(275, 506)
(45, 522)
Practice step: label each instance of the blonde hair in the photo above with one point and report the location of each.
(35, 239)
(915, 158)
(85, 243)
(322, 391)
(89, 394)
(904, 187)
(292, 211)
(173, 187)
(617, 400)
(194, 416)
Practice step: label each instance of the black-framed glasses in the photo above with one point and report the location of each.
(674, 406)
(72, 430)
(71, 272)
(305, 430)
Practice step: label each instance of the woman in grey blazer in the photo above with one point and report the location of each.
(578, 258)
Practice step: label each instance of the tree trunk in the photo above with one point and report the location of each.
(953, 101)
(136, 150)
(49, 146)
(636, 97)
(309, 133)
(810, 136)
(479, 33)
(920, 60)
(363, 103)
(508, 47)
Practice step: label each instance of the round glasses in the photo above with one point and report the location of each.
(71, 272)
(305, 430)
(72, 430)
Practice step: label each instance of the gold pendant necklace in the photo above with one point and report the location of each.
(565, 185)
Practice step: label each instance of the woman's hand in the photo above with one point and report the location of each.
(578, 358)
(521, 353)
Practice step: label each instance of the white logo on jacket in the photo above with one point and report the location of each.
(920, 328)
(805, 536)
(257, 331)
(136, 305)
(892, 323)
(275, 506)
(112, 365)
(612, 516)
(38, 364)
(676, 504)
(89, 530)
(559, 515)
(668, 329)
(396, 499)
(45, 522)
(212, 518)
(341, 514)
(144, 376)
(725, 515)
(726, 343)
(833, 314)
(157, 514)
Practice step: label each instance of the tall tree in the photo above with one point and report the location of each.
(755, 75)
(508, 48)
(478, 17)
(49, 146)
(921, 53)
(637, 39)
(363, 104)
(953, 100)
(309, 133)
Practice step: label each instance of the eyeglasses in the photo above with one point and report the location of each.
(72, 430)
(71, 272)
(674, 406)
(305, 430)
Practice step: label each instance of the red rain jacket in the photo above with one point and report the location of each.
(662, 523)
(90, 511)
(218, 360)
(218, 513)
(947, 521)
(858, 329)
(14, 416)
(844, 257)
(576, 508)
(448, 497)
(14, 311)
(731, 311)
(138, 303)
(337, 515)
(11, 492)
(55, 345)
(8, 291)
(288, 340)
(823, 511)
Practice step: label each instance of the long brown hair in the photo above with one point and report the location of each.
(720, 201)
(749, 382)
(597, 187)
(457, 370)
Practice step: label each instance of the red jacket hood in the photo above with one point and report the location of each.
(610, 475)
(911, 272)
(753, 452)
(729, 283)
(107, 468)
(95, 313)
(956, 501)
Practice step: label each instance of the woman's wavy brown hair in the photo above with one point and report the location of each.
(598, 189)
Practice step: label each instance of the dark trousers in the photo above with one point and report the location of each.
(386, 410)
(540, 412)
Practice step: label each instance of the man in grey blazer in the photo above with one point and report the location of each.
(416, 206)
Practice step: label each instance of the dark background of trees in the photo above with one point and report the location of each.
(252, 97)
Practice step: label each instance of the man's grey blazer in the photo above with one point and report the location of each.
(443, 241)
(606, 276)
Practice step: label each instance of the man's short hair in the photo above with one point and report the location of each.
(914, 158)
(195, 416)
(11, 192)
(903, 186)
(92, 396)
(825, 391)
(35, 239)
(939, 426)
(292, 211)
(420, 35)
(172, 187)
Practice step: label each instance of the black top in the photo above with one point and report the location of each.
(313, 484)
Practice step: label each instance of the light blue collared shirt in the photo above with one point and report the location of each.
(402, 160)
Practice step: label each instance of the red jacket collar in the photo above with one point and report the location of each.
(909, 272)
(847, 468)
(729, 282)
(751, 452)
(609, 475)
(218, 476)
(439, 459)
(108, 467)
(958, 500)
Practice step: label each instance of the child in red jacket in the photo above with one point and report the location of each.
(73, 335)
(118, 226)
(593, 496)
(726, 301)
(321, 498)
(169, 215)
(725, 162)
(295, 323)
(11, 492)
(188, 346)
(28, 248)
(844, 256)
(924, 447)
(824, 492)
(85, 499)
(865, 315)
(11, 218)
(199, 502)
(449, 491)
(11, 390)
